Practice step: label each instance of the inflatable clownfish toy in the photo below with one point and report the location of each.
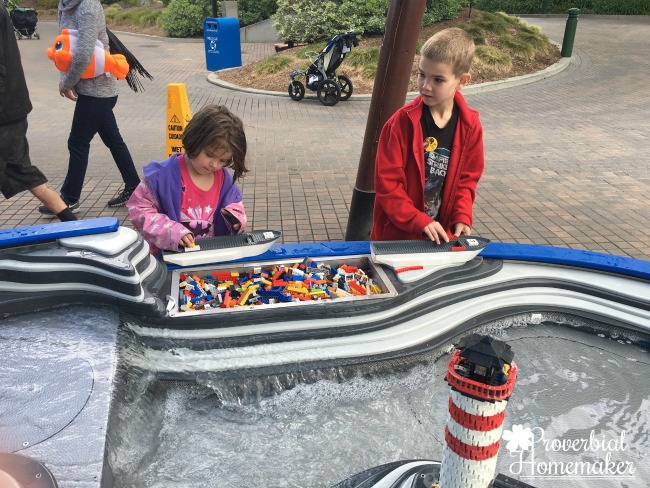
(102, 61)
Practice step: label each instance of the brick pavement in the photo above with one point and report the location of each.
(566, 158)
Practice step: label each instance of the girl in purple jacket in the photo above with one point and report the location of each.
(192, 195)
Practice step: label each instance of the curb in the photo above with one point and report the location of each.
(552, 70)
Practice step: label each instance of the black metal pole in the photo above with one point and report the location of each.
(215, 11)
(403, 26)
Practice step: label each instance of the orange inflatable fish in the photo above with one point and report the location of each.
(102, 61)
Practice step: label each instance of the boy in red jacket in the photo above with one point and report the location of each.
(430, 154)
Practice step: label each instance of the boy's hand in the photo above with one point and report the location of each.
(462, 230)
(187, 241)
(435, 232)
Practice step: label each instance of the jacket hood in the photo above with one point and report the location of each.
(68, 4)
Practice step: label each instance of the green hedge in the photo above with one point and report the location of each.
(310, 20)
(184, 18)
(437, 10)
(251, 11)
(601, 7)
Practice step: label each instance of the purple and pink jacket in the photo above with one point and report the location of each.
(155, 206)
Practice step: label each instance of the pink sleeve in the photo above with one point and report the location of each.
(156, 228)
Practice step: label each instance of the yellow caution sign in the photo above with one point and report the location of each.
(178, 115)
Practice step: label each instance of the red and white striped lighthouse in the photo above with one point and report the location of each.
(481, 375)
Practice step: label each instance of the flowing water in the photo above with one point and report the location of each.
(582, 390)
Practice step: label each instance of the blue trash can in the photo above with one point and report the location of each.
(222, 43)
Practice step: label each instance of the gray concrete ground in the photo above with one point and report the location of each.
(567, 157)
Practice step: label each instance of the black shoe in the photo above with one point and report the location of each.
(73, 206)
(121, 198)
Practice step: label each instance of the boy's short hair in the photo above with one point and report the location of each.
(216, 127)
(453, 46)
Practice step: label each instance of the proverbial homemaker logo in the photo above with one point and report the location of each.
(594, 456)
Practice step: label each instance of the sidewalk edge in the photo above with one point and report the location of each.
(552, 70)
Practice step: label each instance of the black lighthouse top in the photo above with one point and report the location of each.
(484, 359)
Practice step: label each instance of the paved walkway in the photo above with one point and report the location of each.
(567, 158)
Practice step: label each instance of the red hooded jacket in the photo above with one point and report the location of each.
(399, 174)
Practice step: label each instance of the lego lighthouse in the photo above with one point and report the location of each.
(481, 375)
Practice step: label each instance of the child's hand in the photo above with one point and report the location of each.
(435, 232)
(187, 241)
(462, 229)
(236, 224)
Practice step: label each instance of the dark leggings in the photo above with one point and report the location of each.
(92, 116)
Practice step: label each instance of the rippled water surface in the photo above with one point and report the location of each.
(573, 385)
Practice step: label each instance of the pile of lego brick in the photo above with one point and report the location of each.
(304, 281)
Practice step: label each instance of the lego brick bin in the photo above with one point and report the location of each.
(258, 286)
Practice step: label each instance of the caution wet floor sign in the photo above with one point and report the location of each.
(178, 115)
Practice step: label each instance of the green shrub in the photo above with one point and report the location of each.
(364, 16)
(305, 20)
(602, 7)
(145, 16)
(308, 20)
(251, 11)
(184, 18)
(114, 13)
(437, 10)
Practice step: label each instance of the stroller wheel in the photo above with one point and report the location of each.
(328, 92)
(37, 35)
(18, 35)
(346, 87)
(296, 90)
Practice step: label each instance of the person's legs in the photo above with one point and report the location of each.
(88, 116)
(17, 173)
(48, 197)
(110, 135)
(53, 201)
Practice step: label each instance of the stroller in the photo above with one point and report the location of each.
(320, 75)
(24, 20)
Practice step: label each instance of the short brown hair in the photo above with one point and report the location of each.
(216, 127)
(453, 46)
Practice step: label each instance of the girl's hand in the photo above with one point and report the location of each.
(236, 224)
(186, 241)
(435, 232)
(462, 229)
